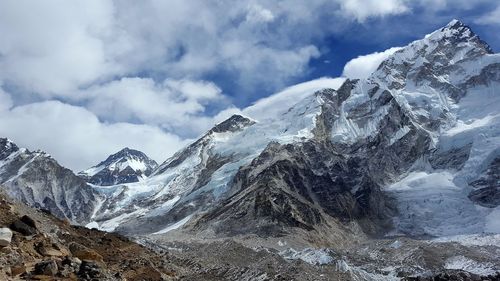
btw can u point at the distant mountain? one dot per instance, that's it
(35, 178)
(125, 166)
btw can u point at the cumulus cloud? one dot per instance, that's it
(492, 17)
(363, 9)
(144, 73)
(5, 100)
(174, 105)
(364, 66)
(257, 13)
(55, 46)
(76, 138)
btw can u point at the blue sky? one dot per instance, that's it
(82, 79)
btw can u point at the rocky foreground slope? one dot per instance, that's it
(34, 245)
(37, 246)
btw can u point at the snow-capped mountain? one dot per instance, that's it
(125, 166)
(412, 131)
(413, 149)
(35, 178)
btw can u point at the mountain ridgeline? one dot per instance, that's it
(365, 156)
(411, 151)
(332, 157)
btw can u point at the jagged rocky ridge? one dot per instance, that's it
(125, 166)
(35, 178)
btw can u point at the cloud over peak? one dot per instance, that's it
(363, 66)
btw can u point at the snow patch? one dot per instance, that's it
(309, 255)
(175, 225)
(399, 134)
(431, 203)
(471, 240)
(463, 263)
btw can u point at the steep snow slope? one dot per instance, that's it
(125, 166)
(452, 91)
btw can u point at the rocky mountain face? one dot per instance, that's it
(411, 151)
(125, 166)
(35, 178)
(367, 153)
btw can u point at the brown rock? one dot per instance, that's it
(90, 270)
(42, 277)
(144, 273)
(66, 222)
(46, 249)
(17, 269)
(84, 253)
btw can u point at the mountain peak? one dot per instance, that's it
(232, 124)
(7, 147)
(454, 23)
(124, 166)
(447, 46)
(458, 32)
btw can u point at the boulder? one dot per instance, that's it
(5, 236)
(69, 267)
(84, 253)
(45, 248)
(23, 228)
(90, 270)
(48, 267)
(17, 269)
(29, 221)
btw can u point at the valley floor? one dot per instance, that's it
(292, 257)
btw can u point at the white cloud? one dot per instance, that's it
(363, 9)
(279, 102)
(364, 66)
(54, 46)
(257, 13)
(174, 105)
(5, 100)
(492, 17)
(76, 138)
